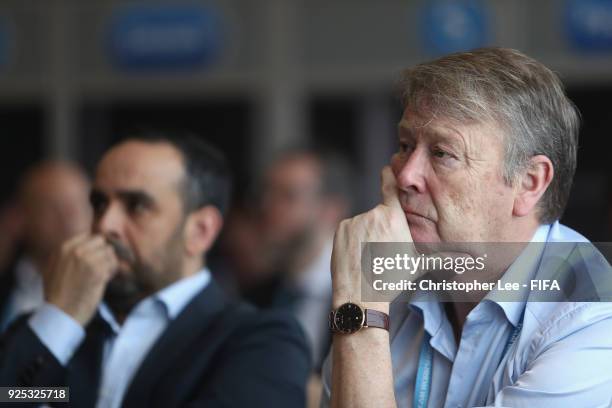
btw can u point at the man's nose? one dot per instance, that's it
(110, 223)
(411, 171)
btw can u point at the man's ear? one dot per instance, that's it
(201, 230)
(531, 185)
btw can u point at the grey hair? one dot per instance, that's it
(517, 93)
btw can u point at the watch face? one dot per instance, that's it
(349, 318)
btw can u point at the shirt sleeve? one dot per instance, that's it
(571, 372)
(60, 333)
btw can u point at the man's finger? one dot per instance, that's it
(68, 245)
(91, 244)
(389, 188)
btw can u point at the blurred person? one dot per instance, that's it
(487, 153)
(304, 195)
(242, 265)
(52, 206)
(287, 243)
(132, 316)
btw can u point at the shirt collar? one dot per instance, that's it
(172, 298)
(176, 296)
(435, 323)
(432, 310)
(521, 270)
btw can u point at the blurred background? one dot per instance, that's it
(254, 76)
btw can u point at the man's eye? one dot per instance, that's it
(99, 207)
(404, 147)
(441, 154)
(135, 206)
(98, 203)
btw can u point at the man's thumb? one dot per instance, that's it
(389, 188)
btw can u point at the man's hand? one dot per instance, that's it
(384, 223)
(362, 374)
(78, 278)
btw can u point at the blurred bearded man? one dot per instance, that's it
(132, 316)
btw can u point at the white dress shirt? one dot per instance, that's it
(129, 344)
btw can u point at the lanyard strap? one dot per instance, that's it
(422, 386)
(423, 378)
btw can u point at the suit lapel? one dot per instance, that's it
(182, 331)
(7, 283)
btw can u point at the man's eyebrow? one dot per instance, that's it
(405, 127)
(138, 196)
(407, 130)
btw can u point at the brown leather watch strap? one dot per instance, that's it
(374, 318)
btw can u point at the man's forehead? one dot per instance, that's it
(413, 125)
(301, 166)
(432, 129)
(136, 164)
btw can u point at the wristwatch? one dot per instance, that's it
(350, 318)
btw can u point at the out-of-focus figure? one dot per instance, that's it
(52, 206)
(132, 315)
(303, 196)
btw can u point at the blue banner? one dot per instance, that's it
(588, 24)
(451, 26)
(164, 37)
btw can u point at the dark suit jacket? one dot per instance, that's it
(7, 283)
(216, 353)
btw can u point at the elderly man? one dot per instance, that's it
(132, 316)
(487, 152)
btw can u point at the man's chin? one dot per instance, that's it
(122, 292)
(422, 235)
(121, 284)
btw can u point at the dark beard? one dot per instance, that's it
(123, 293)
(125, 290)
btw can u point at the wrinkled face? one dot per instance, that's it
(291, 199)
(138, 208)
(56, 207)
(450, 181)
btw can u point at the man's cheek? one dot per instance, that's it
(460, 201)
(449, 217)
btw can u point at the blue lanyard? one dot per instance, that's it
(423, 378)
(422, 385)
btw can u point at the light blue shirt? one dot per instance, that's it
(26, 295)
(562, 357)
(129, 343)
